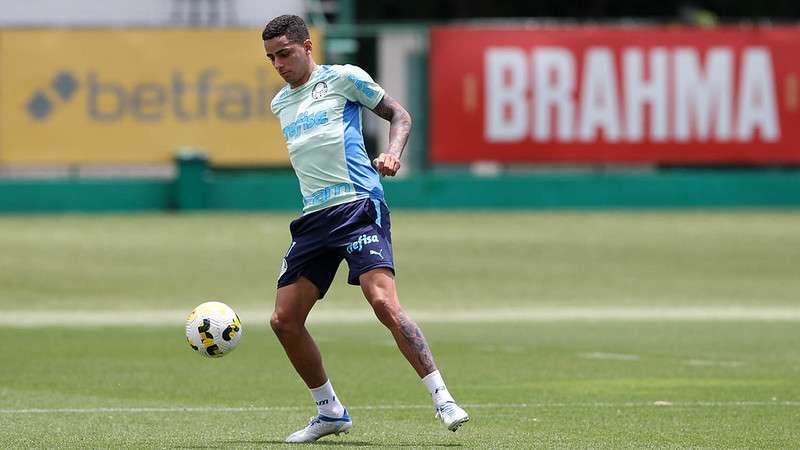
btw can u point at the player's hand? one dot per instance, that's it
(387, 164)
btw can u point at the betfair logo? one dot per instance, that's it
(204, 96)
(60, 90)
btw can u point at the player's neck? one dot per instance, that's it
(311, 68)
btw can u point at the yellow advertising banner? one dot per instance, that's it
(138, 95)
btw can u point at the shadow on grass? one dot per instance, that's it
(222, 444)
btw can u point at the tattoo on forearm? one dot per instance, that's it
(413, 335)
(400, 123)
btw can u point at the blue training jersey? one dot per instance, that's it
(321, 122)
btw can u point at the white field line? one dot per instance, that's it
(704, 362)
(189, 409)
(611, 356)
(155, 317)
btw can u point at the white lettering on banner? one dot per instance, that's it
(689, 95)
(699, 95)
(638, 92)
(599, 109)
(502, 96)
(554, 86)
(757, 97)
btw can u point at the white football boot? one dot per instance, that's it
(320, 426)
(451, 415)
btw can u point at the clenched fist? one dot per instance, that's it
(387, 164)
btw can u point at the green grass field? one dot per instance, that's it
(555, 330)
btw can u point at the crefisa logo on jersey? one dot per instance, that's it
(319, 90)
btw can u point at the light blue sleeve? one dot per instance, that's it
(357, 86)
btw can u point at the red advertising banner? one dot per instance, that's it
(615, 94)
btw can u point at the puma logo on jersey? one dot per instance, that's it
(379, 253)
(362, 86)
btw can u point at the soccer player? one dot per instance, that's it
(344, 217)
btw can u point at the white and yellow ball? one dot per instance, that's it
(213, 329)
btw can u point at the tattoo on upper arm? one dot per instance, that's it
(385, 108)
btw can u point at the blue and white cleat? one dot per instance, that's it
(451, 415)
(320, 426)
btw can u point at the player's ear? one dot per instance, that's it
(307, 45)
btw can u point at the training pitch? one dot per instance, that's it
(568, 330)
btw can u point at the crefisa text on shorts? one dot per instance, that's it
(362, 240)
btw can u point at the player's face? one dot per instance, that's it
(290, 59)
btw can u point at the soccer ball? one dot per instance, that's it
(213, 329)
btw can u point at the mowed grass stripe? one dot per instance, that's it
(223, 409)
(237, 409)
(73, 318)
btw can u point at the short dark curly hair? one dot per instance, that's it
(293, 27)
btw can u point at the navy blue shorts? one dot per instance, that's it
(358, 232)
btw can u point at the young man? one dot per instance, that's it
(344, 217)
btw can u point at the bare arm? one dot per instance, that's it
(388, 162)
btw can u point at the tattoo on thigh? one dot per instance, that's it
(414, 337)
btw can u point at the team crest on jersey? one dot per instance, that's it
(319, 91)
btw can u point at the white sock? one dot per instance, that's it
(435, 384)
(327, 403)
